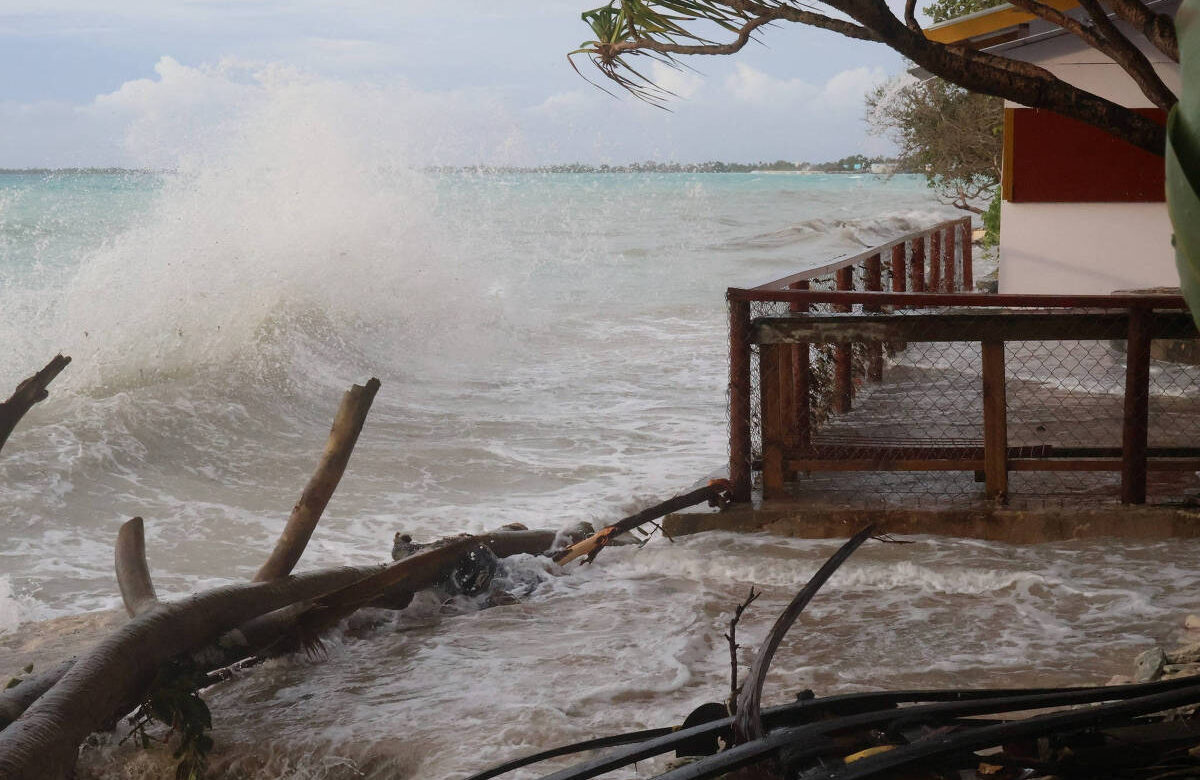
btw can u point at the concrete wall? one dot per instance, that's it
(1086, 247)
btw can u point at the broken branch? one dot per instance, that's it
(28, 393)
(731, 637)
(714, 492)
(300, 525)
(747, 723)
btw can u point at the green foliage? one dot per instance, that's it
(1183, 157)
(945, 10)
(174, 701)
(952, 135)
(991, 223)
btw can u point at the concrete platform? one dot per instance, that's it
(1001, 524)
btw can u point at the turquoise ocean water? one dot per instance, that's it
(552, 349)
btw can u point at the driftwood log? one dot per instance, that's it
(44, 718)
(342, 436)
(28, 393)
(109, 680)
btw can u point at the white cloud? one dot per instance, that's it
(850, 87)
(751, 85)
(679, 82)
(845, 89)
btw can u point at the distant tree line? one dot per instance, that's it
(855, 163)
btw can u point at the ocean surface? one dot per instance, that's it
(551, 349)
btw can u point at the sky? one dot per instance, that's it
(138, 83)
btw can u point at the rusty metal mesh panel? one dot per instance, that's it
(1064, 399)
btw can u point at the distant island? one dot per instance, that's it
(855, 163)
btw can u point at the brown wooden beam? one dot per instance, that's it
(740, 475)
(968, 271)
(949, 265)
(843, 354)
(956, 326)
(917, 266)
(772, 420)
(1135, 426)
(872, 464)
(873, 280)
(800, 376)
(995, 422)
(935, 261)
(990, 301)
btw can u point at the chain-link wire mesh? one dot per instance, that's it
(918, 432)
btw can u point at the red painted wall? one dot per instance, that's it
(1052, 159)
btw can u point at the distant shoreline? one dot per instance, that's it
(837, 167)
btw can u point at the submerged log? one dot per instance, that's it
(715, 493)
(342, 436)
(28, 393)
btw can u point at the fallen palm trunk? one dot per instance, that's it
(110, 679)
(296, 625)
(747, 723)
(715, 493)
(28, 393)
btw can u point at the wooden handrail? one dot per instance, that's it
(933, 299)
(825, 270)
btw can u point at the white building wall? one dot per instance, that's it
(1085, 248)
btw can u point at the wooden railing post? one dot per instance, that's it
(968, 273)
(843, 353)
(1135, 430)
(949, 266)
(739, 399)
(800, 379)
(771, 412)
(935, 261)
(899, 279)
(917, 265)
(899, 269)
(995, 422)
(873, 281)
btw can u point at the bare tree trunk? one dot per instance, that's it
(27, 394)
(342, 436)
